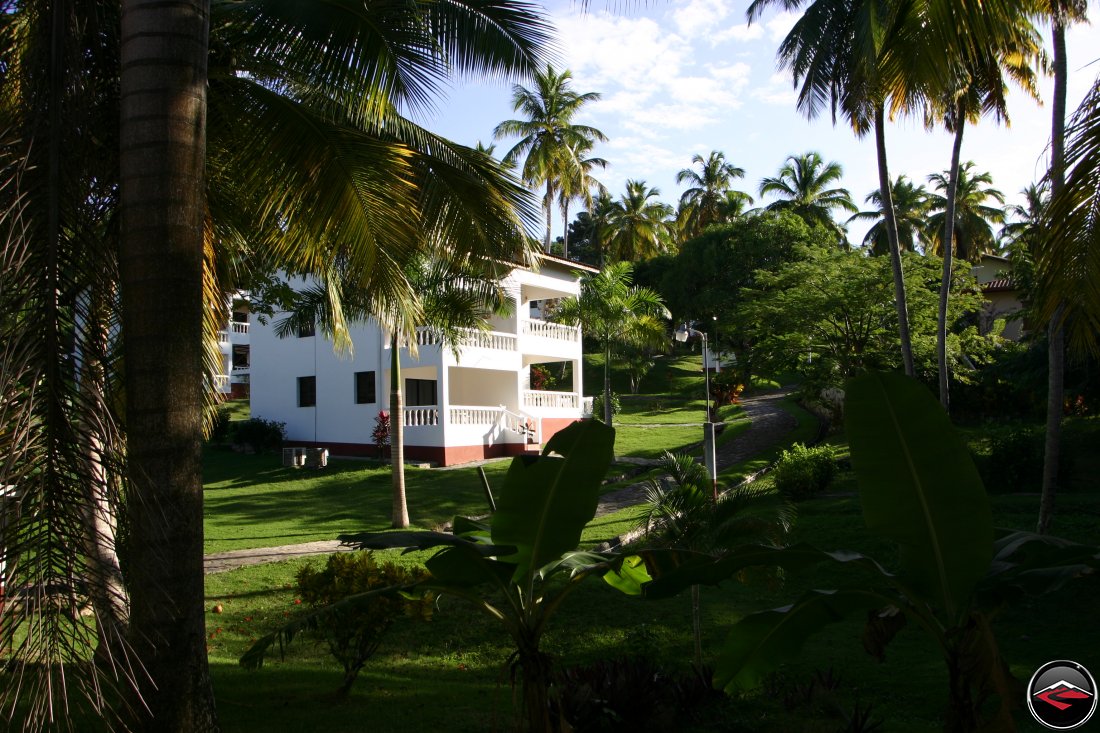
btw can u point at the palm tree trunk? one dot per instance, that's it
(948, 252)
(1056, 348)
(892, 238)
(162, 168)
(565, 229)
(548, 204)
(697, 628)
(607, 383)
(397, 437)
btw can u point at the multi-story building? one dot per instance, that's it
(461, 404)
(234, 346)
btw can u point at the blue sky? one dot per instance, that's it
(682, 77)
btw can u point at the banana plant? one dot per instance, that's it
(918, 488)
(522, 564)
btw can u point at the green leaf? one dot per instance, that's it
(417, 540)
(759, 643)
(673, 571)
(629, 577)
(919, 488)
(546, 501)
(464, 566)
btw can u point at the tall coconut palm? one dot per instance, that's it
(910, 211)
(616, 314)
(805, 186)
(291, 92)
(702, 202)
(980, 88)
(577, 183)
(974, 213)
(846, 54)
(548, 135)
(639, 224)
(1061, 14)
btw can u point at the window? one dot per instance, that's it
(420, 392)
(306, 330)
(364, 388)
(307, 391)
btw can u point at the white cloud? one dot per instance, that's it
(742, 33)
(779, 26)
(778, 91)
(697, 16)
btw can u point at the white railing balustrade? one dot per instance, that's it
(240, 327)
(556, 400)
(546, 329)
(529, 427)
(427, 336)
(421, 416)
(474, 415)
(587, 406)
(221, 382)
(489, 340)
(223, 337)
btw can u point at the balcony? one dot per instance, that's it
(542, 400)
(548, 330)
(471, 338)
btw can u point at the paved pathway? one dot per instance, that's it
(769, 423)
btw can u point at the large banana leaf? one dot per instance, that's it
(759, 643)
(546, 501)
(919, 488)
(668, 572)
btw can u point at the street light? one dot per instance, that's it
(682, 334)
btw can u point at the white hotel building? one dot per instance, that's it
(458, 408)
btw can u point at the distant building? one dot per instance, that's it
(994, 276)
(234, 346)
(478, 404)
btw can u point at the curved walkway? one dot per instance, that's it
(768, 424)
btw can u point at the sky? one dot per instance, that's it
(684, 77)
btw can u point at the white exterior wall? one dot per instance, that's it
(489, 372)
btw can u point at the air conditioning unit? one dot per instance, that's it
(294, 457)
(316, 457)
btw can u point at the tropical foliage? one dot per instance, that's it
(708, 198)
(910, 216)
(807, 186)
(638, 224)
(975, 217)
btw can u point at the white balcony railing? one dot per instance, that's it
(421, 416)
(469, 415)
(221, 382)
(556, 400)
(545, 329)
(239, 326)
(471, 338)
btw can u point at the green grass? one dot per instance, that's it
(237, 409)
(252, 501)
(449, 674)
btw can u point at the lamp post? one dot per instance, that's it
(682, 334)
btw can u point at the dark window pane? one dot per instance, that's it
(420, 392)
(307, 391)
(364, 388)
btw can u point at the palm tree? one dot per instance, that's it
(1061, 13)
(680, 511)
(847, 54)
(910, 211)
(639, 224)
(702, 203)
(803, 186)
(577, 183)
(289, 92)
(615, 313)
(974, 217)
(1068, 271)
(548, 136)
(161, 252)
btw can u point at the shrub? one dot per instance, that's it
(381, 433)
(597, 405)
(219, 426)
(353, 632)
(802, 472)
(1016, 461)
(726, 387)
(541, 378)
(263, 436)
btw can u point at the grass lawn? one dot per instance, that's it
(449, 674)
